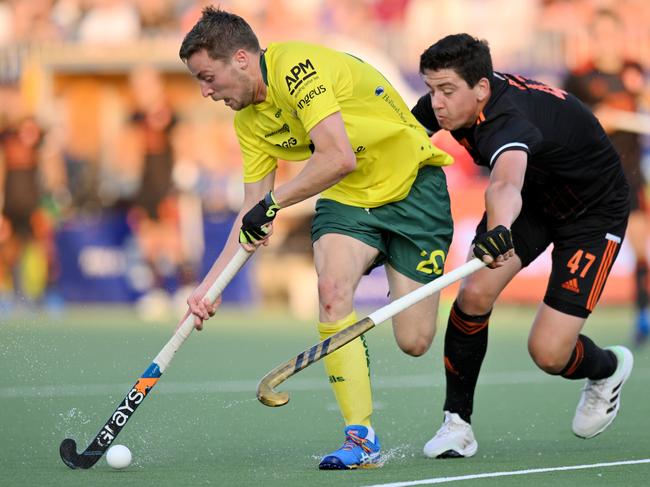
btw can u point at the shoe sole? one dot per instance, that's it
(630, 357)
(339, 466)
(468, 452)
(450, 454)
(588, 437)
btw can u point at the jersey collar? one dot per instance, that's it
(265, 74)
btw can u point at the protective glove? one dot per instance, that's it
(494, 243)
(253, 227)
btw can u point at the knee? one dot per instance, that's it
(417, 346)
(475, 298)
(332, 292)
(549, 361)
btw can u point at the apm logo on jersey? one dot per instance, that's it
(299, 73)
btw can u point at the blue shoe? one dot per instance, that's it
(357, 451)
(642, 329)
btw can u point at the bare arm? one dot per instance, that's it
(503, 194)
(503, 205)
(200, 308)
(332, 160)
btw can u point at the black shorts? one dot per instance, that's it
(584, 250)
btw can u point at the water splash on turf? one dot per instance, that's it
(229, 404)
(73, 417)
(70, 423)
(397, 454)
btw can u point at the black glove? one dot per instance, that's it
(253, 225)
(494, 243)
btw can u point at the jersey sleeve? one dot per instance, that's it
(305, 82)
(505, 133)
(423, 112)
(256, 163)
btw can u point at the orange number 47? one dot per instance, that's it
(576, 261)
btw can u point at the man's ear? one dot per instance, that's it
(482, 89)
(241, 58)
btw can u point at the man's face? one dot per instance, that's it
(223, 80)
(454, 103)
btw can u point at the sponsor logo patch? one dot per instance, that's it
(281, 130)
(290, 142)
(298, 74)
(571, 285)
(306, 100)
(386, 97)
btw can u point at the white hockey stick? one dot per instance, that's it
(141, 389)
(265, 389)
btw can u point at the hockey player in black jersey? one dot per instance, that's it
(555, 178)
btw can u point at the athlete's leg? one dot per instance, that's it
(557, 347)
(467, 333)
(465, 347)
(583, 255)
(340, 262)
(420, 229)
(415, 327)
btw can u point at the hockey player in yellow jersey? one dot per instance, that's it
(383, 195)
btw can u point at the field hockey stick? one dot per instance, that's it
(265, 389)
(145, 383)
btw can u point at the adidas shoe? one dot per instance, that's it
(358, 451)
(601, 399)
(454, 439)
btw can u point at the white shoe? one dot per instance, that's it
(454, 439)
(601, 399)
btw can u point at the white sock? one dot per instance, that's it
(371, 434)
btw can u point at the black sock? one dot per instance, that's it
(641, 280)
(589, 360)
(465, 346)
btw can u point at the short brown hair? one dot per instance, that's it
(220, 33)
(468, 56)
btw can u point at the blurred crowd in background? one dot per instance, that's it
(118, 181)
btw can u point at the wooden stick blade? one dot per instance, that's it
(265, 389)
(267, 396)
